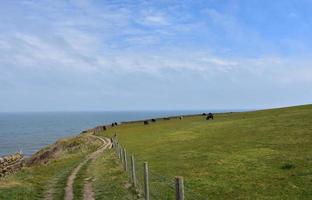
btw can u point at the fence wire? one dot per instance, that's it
(160, 187)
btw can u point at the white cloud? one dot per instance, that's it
(81, 52)
(99, 42)
(155, 19)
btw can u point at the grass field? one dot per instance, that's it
(34, 181)
(249, 155)
(109, 179)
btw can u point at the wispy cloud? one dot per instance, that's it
(58, 42)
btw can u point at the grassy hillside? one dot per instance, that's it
(263, 154)
(251, 155)
(49, 169)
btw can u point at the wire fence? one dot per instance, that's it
(150, 185)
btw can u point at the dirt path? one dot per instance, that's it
(69, 190)
(88, 192)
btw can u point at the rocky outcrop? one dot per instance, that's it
(11, 163)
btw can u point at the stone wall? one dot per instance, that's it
(11, 163)
(97, 129)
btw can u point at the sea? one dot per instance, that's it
(28, 132)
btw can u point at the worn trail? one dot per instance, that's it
(88, 193)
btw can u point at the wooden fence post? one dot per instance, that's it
(125, 159)
(179, 185)
(134, 180)
(118, 151)
(116, 145)
(146, 182)
(121, 154)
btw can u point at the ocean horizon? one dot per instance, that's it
(28, 132)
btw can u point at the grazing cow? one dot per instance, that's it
(209, 116)
(113, 124)
(181, 117)
(104, 128)
(203, 114)
(153, 120)
(116, 124)
(146, 122)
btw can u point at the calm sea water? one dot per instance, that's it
(29, 132)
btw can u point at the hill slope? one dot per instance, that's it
(262, 154)
(47, 173)
(250, 155)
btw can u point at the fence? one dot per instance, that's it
(151, 185)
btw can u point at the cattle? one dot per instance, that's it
(153, 120)
(104, 128)
(146, 122)
(204, 114)
(181, 117)
(115, 123)
(209, 116)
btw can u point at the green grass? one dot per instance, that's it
(251, 155)
(110, 181)
(61, 179)
(79, 182)
(32, 182)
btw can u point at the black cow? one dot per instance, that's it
(113, 124)
(104, 128)
(209, 116)
(204, 114)
(153, 120)
(116, 124)
(146, 122)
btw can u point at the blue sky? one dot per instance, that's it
(154, 55)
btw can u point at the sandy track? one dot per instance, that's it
(69, 190)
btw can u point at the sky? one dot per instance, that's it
(92, 55)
